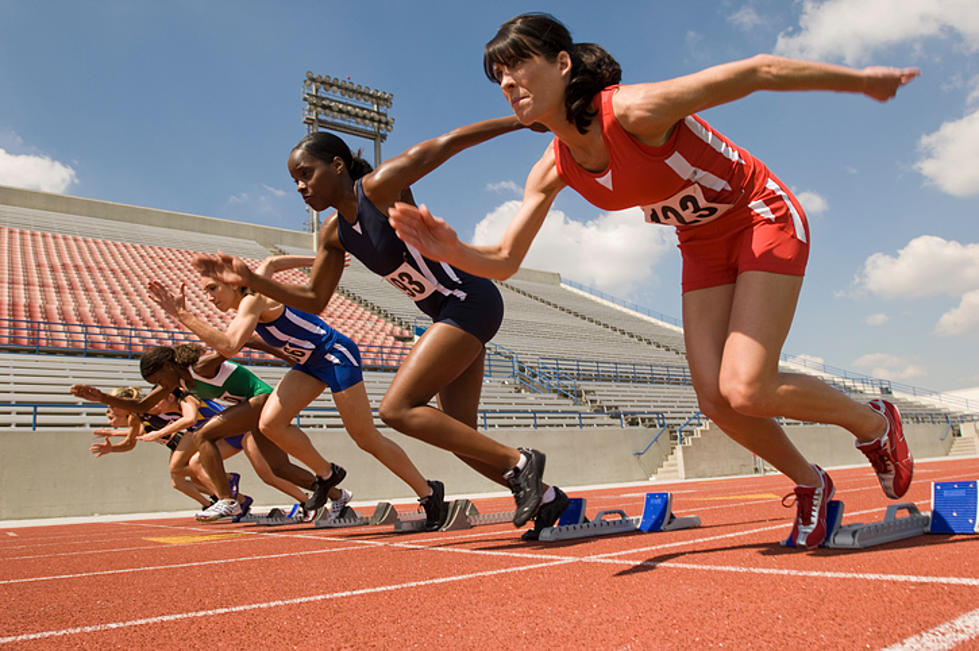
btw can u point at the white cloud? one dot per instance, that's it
(615, 252)
(951, 157)
(878, 319)
(274, 191)
(853, 30)
(35, 172)
(746, 18)
(812, 203)
(505, 186)
(963, 319)
(885, 366)
(927, 266)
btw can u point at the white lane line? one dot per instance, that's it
(961, 629)
(271, 604)
(944, 636)
(353, 545)
(154, 568)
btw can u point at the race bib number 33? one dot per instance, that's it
(685, 208)
(411, 282)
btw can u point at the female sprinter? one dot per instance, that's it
(743, 236)
(164, 423)
(323, 358)
(447, 361)
(211, 376)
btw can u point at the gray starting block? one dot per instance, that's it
(384, 513)
(892, 528)
(657, 515)
(859, 535)
(276, 518)
(463, 514)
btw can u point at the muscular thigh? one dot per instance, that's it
(440, 356)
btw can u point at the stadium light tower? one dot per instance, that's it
(361, 114)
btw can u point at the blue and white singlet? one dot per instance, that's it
(314, 347)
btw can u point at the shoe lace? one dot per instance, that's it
(879, 459)
(804, 501)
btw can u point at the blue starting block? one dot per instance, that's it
(657, 515)
(954, 507)
(575, 513)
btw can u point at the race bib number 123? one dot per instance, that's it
(685, 208)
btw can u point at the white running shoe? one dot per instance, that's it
(220, 509)
(338, 505)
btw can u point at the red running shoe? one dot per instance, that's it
(889, 454)
(809, 528)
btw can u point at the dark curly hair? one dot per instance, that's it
(153, 359)
(592, 68)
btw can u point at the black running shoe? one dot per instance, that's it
(547, 515)
(436, 510)
(526, 487)
(321, 487)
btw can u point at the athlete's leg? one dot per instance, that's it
(440, 357)
(233, 420)
(183, 478)
(293, 393)
(250, 446)
(196, 471)
(706, 315)
(460, 399)
(763, 307)
(355, 411)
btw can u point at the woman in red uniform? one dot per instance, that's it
(743, 236)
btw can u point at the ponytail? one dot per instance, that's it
(326, 146)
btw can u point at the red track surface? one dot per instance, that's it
(727, 583)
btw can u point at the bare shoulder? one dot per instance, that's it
(329, 235)
(644, 110)
(544, 176)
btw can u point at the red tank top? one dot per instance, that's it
(693, 178)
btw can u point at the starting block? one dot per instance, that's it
(463, 514)
(384, 513)
(277, 517)
(657, 515)
(954, 507)
(859, 535)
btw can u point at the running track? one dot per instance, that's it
(176, 583)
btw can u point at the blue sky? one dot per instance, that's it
(193, 107)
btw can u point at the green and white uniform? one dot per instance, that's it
(233, 383)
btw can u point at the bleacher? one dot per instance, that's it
(71, 282)
(34, 393)
(92, 292)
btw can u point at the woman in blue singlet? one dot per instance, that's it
(322, 358)
(447, 360)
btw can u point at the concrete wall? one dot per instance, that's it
(716, 455)
(51, 474)
(61, 203)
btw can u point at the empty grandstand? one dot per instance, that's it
(74, 308)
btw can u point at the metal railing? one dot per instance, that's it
(598, 370)
(635, 307)
(697, 416)
(33, 336)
